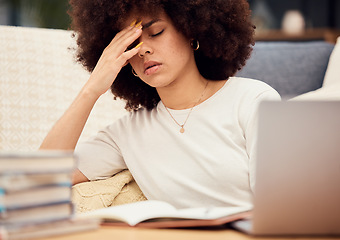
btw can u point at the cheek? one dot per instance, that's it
(181, 51)
(180, 46)
(133, 61)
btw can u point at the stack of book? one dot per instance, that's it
(35, 195)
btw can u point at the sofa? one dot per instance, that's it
(39, 78)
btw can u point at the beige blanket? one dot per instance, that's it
(119, 189)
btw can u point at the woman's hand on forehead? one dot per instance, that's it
(114, 57)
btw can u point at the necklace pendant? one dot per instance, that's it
(181, 130)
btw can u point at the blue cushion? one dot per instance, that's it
(292, 68)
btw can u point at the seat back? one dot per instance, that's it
(39, 78)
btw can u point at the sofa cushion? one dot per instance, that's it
(39, 79)
(292, 68)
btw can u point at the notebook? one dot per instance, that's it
(297, 189)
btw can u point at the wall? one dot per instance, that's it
(35, 13)
(318, 13)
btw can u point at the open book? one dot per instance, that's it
(158, 214)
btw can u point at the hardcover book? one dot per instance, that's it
(22, 181)
(48, 229)
(37, 196)
(38, 214)
(35, 162)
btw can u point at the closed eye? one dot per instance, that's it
(159, 33)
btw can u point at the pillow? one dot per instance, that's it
(116, 190)
(291, 68)
(327, 94)
(332, 76)
(330, 89)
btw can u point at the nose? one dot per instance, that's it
(141, 55)
(145, 49)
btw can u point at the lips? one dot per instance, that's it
(151, 67)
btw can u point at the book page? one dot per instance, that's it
(209, 213)
(135, 213)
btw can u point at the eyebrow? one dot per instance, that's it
(148, 24)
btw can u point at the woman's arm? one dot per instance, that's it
(78, 177)
(66, 132)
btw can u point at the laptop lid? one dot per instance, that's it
(298, 169)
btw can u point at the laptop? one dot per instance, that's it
(297, 190)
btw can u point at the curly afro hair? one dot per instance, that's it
(222, 27)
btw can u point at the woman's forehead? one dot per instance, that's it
(147, 19)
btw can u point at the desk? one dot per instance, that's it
(118, 233)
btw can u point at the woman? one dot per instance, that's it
(190, 137)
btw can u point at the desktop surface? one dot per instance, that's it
(129, 233)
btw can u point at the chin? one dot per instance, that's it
(157, 82)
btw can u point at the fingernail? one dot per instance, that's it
(139, 44)
(133, 23)
(138, 24)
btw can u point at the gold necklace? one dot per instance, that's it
(182, 125)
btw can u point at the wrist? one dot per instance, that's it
(89, 94)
